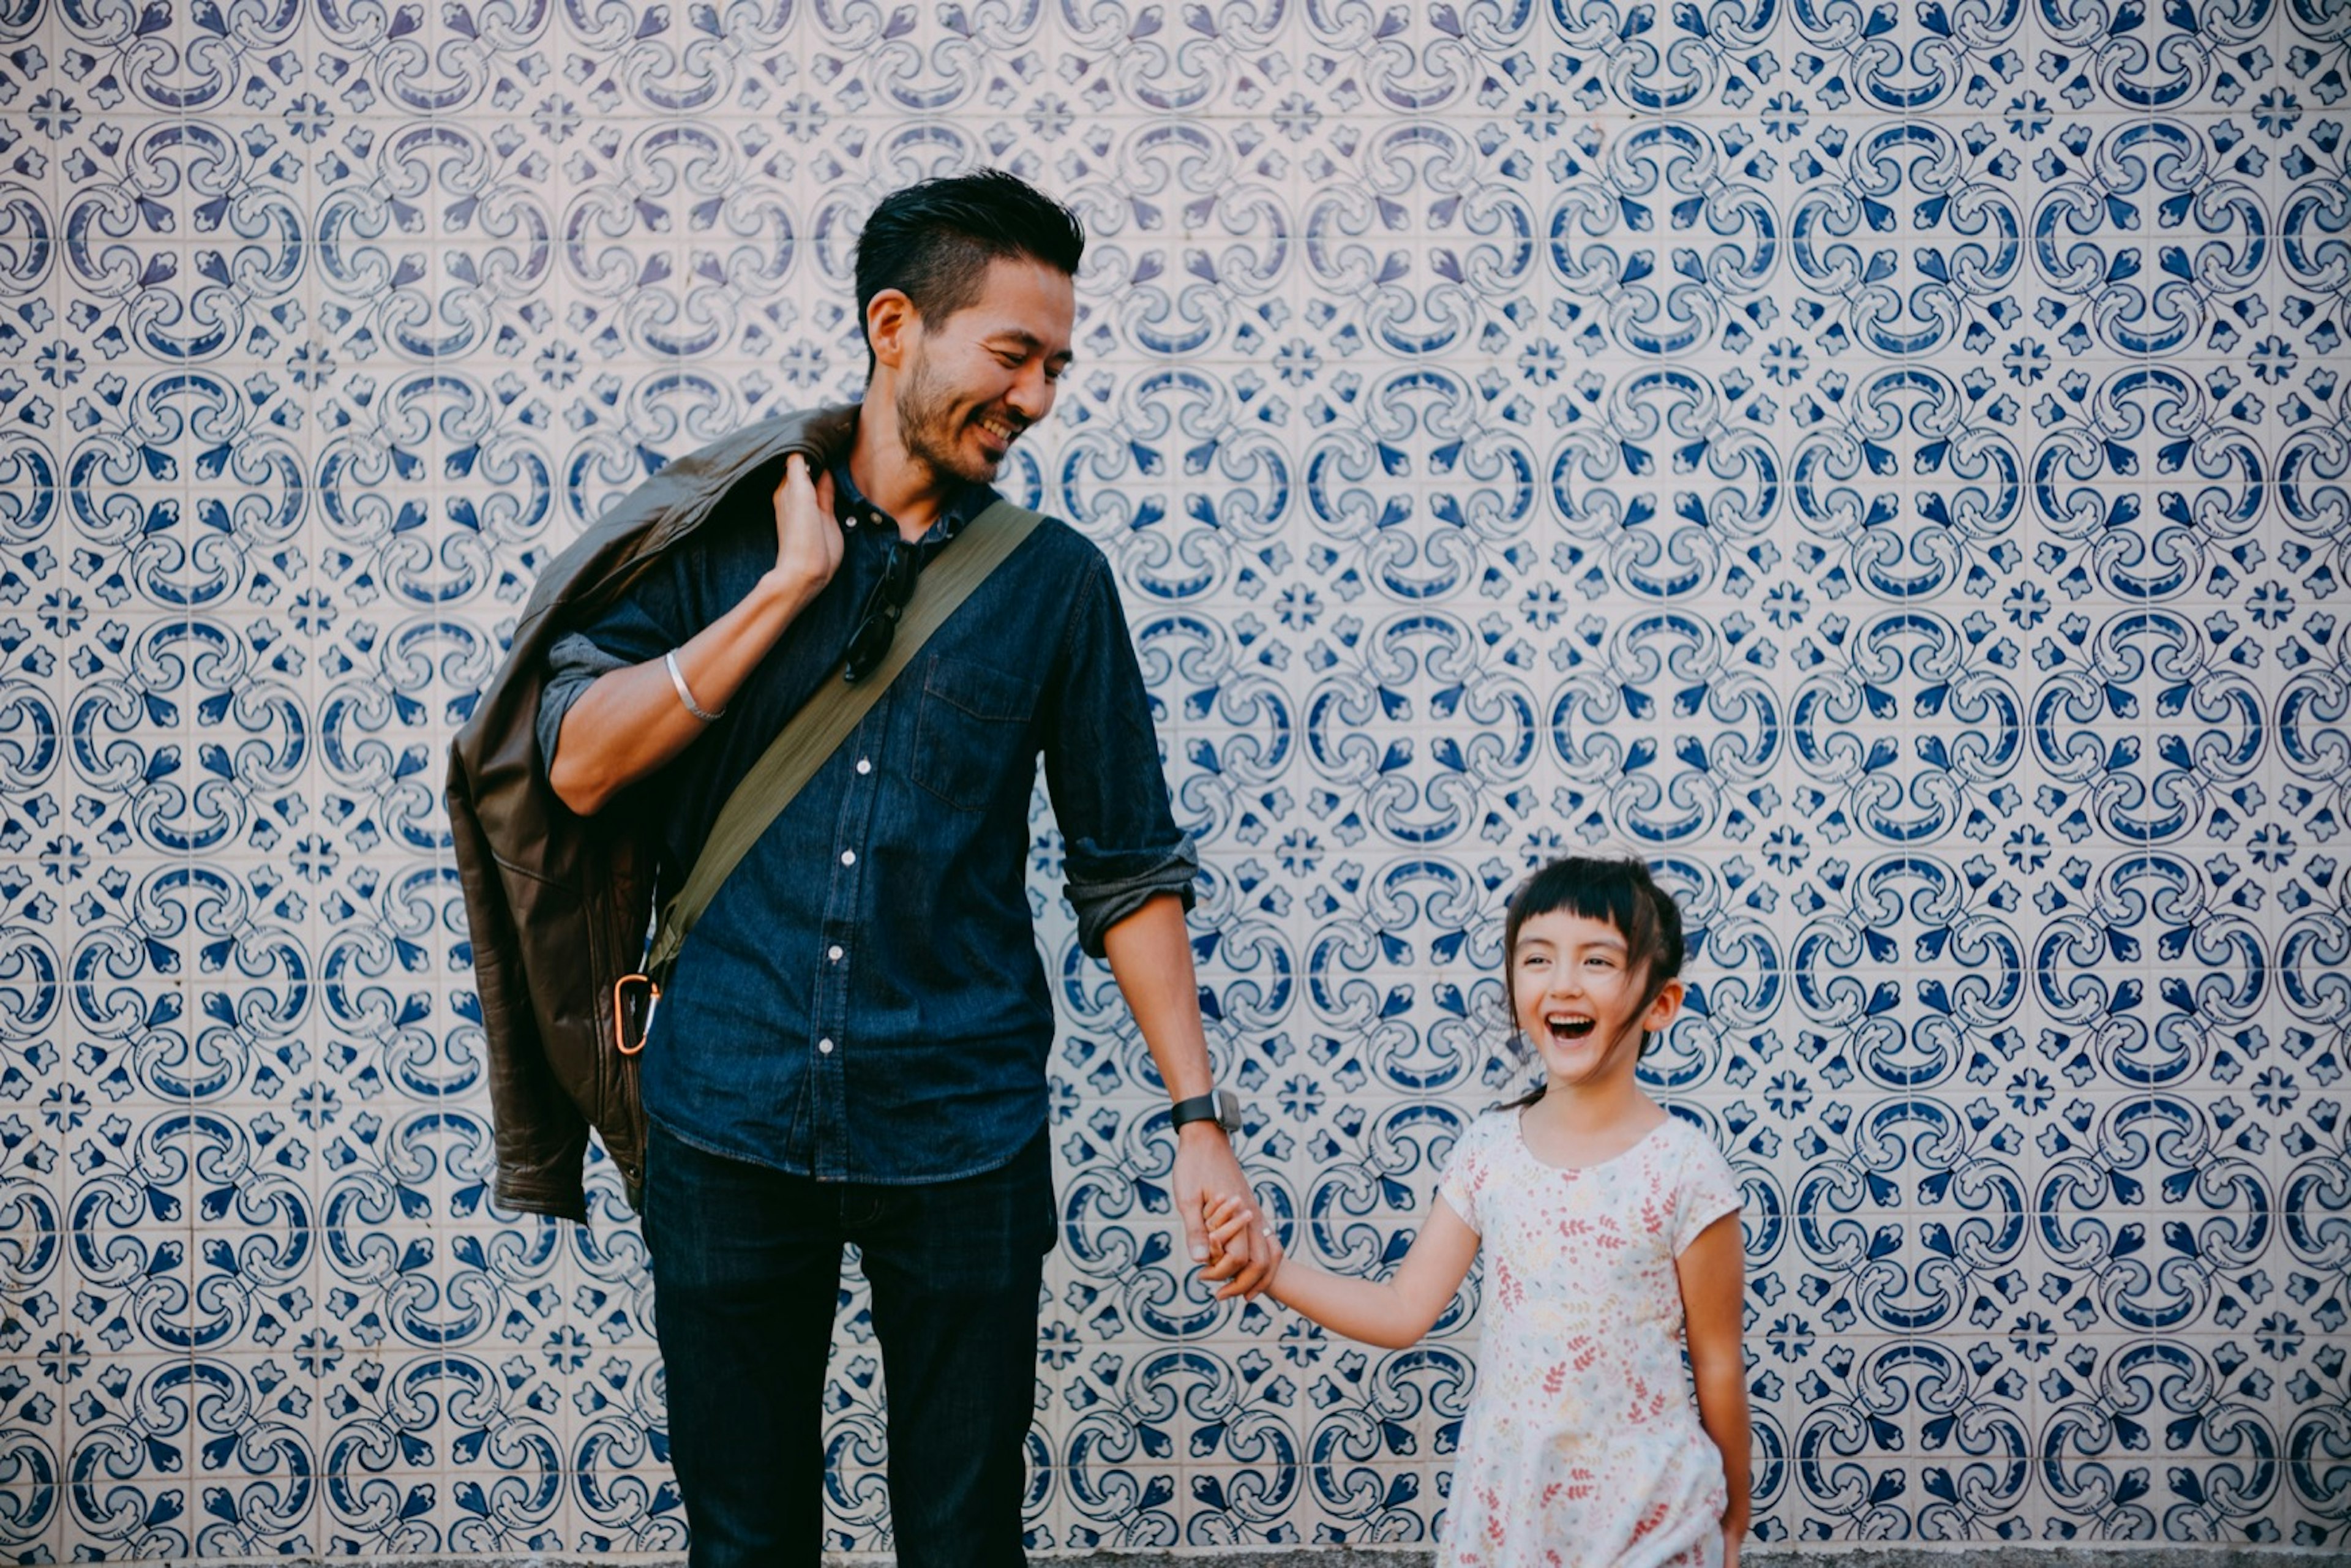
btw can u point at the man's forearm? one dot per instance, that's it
(1149, 955)
(631, 722)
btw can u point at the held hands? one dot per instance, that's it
(1205, 1172)
(1229, 1223)
(808, 538)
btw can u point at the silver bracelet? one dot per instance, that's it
(677, 679)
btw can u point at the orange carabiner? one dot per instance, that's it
(634, 998)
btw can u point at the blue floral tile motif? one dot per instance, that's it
(1889, 464)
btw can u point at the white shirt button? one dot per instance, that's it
(865, 765)
(834, 953)
(824, 1046)
(849, 857)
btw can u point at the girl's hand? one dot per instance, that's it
(1226, 1218)
(1227, 1221)
(1730, 1547)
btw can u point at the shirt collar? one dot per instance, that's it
(966, 502)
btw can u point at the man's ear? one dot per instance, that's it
(891, 324)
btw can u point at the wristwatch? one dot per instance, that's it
(1222, 1107)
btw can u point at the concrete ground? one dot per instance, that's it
(1976, 1553)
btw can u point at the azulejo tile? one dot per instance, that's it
(129, 1421)
(1885, 468)
(253, 1477)
(34, 1423)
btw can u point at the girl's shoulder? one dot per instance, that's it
(1693, 1165)
(1494, 1120)
(1686, 1141)
(1483, 1142)
(1486, 1132)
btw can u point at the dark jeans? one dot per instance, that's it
(747, 1268)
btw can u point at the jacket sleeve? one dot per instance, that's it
(541, 1135)
(1120, 845)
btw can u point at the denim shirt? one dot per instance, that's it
(863, 1000)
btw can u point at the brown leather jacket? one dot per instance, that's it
(558, 904)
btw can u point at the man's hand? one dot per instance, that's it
(1207, 1172)
(808, 538)
(630, 722)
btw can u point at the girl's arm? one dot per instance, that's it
(1392, 1312)
(1712, 1269)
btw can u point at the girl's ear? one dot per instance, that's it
(1661, 1007)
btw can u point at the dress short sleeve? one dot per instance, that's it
(1708, 1190)
(1469, 1167)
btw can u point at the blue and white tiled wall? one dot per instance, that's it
(1888, 462)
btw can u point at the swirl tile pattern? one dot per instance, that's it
(1887, 460)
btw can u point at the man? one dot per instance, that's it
(852, 1044)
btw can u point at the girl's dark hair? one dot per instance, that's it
(933, 241)
(1620, 891)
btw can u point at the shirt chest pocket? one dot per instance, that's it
(974, 733)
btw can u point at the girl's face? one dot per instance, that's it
(1580, 998)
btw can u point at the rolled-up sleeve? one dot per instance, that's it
(573, 665)
(1121, 846)
(660, 610)
(1106, 898)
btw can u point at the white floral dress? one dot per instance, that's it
(1583, 1446)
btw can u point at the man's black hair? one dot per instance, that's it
(933, 241)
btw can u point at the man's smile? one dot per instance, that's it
(998, 432)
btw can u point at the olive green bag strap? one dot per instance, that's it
(814, 733)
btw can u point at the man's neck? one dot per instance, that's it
(908, 491)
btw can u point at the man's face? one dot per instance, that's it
(973, 381)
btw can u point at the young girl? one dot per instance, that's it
(1612, 1231)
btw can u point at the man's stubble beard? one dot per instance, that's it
(928, 429)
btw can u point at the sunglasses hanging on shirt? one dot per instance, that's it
(883, 606)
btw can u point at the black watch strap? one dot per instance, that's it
(1223, 1107)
